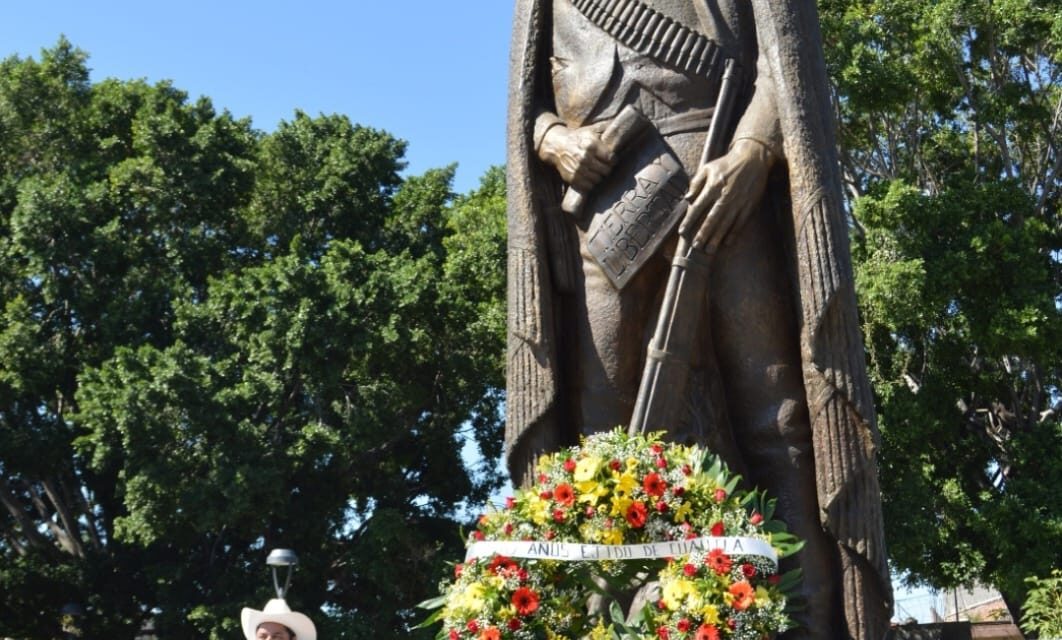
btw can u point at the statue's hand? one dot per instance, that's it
(580, 156)
(724, 193)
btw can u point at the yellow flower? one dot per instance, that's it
(682, 512)
(586, 468)
(599, 632)
(631, 464)
(625, 484)
(472, 598)
(620, 505)
(676, 592)
(710, 614)
(539, 509)
(590, 491)
(611, 536)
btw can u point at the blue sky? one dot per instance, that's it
(431, 73)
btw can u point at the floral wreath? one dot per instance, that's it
(618, 513)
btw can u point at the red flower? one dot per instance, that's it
(683, 625)
(720, 495)
(501, 564)
(569, 465)
(689, 569)
(756, 519)
(454, 635)
(478, 535)
(615, 465)
(510, 502)
(490, 633)
(657, 448)
(458, 570)
(542, 478)
(748, 570)
(662, 633)
(546, 495)
(654, 485)
(508, 528)
(564, 494)
(686, 469)
(558, 515)
(718, 561)
(525, 600)
(661, 462)
(678, 491)
(661, 506)
(636, 514)
(660, 604)
(707, 632)
(473, 626)
(743, 594)
(514, 624)
(717, 529)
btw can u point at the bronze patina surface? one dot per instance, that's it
(772, 368)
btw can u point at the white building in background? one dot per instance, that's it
(979, 604)
(983, 608)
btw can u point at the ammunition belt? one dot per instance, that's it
(651, 33)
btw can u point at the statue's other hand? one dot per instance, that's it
(580, 156)
(725, 192)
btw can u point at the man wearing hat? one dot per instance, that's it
(276, 622)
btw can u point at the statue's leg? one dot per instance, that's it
(604, 352)
(609, 328)
(757, 344)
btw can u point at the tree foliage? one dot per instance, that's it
(951, 115)
(214, 342)
(1042, 611)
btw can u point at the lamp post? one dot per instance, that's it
(70, 617)
(282, 558)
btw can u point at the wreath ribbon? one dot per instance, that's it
(577, 552)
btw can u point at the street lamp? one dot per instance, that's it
(282, 558)
(70, 615)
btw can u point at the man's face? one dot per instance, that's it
(272, 631)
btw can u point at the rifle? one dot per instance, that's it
(662, 391)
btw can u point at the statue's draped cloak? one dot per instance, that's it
(839, 396)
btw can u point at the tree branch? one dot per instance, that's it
(73, 531)
(61, 535)
(84, 508)
(26, 526)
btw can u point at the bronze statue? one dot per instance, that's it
(679, 155)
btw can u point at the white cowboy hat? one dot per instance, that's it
(276, 610)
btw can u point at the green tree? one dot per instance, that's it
(215, 341)
(951, 114)
(1043, 607)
